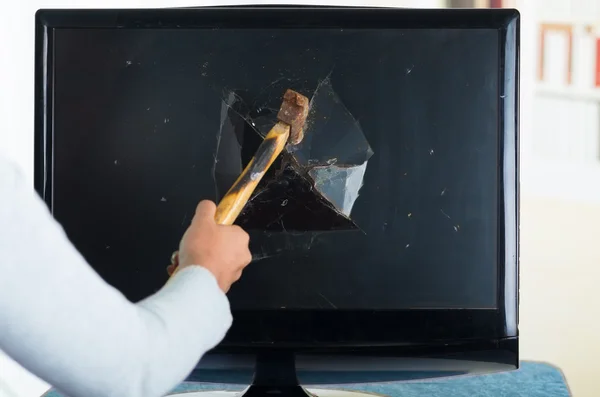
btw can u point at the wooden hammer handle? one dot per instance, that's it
(238, 195)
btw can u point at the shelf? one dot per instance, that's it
(570, 92)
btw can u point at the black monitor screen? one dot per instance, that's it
(390, 203)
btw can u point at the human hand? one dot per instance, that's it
(223, 250)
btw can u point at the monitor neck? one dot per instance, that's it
(275, 375)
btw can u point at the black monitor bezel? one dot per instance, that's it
(328, 328)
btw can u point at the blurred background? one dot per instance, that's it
(560, 167)
(560, 185)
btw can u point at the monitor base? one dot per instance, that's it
(274, 376)
(306, 392)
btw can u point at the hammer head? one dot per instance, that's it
(294, 111)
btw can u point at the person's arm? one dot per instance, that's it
(62, 322)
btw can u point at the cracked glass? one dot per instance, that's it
(312, 185)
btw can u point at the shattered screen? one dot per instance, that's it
(314, 184)
(389, 202)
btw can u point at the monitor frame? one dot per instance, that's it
(367, 331)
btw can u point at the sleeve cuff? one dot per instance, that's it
(192, 301)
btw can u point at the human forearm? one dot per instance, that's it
(62, 322)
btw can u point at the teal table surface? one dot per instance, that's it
(531, 380)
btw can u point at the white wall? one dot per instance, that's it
(16, 104)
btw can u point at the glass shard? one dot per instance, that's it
(339, 185)
(333, 136)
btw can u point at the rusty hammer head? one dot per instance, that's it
(294, 111)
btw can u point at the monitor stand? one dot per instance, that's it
(275, 375)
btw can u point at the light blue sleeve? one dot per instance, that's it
(60, 320)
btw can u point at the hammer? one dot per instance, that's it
(290, 128)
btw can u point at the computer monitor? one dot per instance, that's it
(391, 254)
